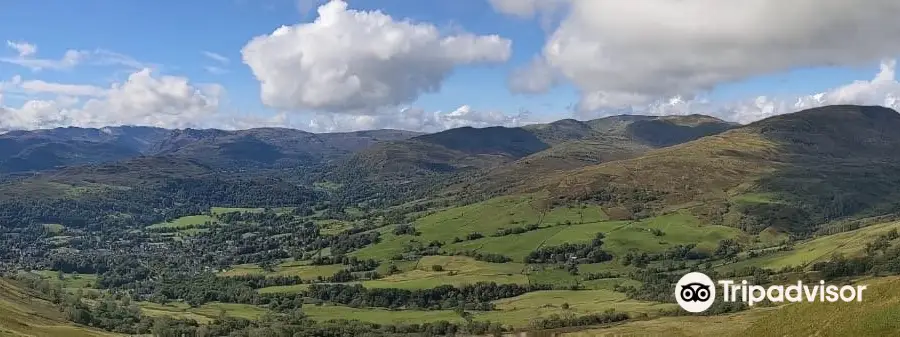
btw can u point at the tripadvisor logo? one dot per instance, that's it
(696, 292)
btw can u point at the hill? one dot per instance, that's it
(499, 157)
(875, 317)
(23, 313)
(46, 149)
(269, 147)
(41, 150)
(810, 167)
(580, 144)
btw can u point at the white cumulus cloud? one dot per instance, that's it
(350, 61)
(883, 89)
(144, 99)
(622, 53)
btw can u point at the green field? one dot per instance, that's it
(465, 269)
(332, 226)
(292, 289)
(53, 228)
(486, 218)
(878, 315)
(678, 228)
(380, 316)
(560, 225)
(516, 312)
(223, 210)
(684, 326)
(186, 221)
(69, 281)
(205, 313)
(520, 311)
(804, 254)
(290, 268)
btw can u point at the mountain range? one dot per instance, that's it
(39, 150)
(807, 166)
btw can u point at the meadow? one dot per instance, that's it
(186, 221)
(851, 243)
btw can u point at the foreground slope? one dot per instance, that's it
(877, 315)
(24, 314)
(808, 167)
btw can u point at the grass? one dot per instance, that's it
(486, 218)
(54, 228)
(290, 268)
(223, 210)
(756, 198)
(806, 253)
(69, 281)
(331, 227)
(878, 315)
(205, 313)
(186, 221)
(517, 312)
(678, 228)
(465, 269)
(292, 289)
(23, 314)
(685, 326)
(621, 236)
(380, 316)
(520, 311)
(610, 283)
(552, 275)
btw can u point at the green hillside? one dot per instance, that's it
(22, 314)
(876, 316)
(805, 160)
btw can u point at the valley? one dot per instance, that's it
(579, 227)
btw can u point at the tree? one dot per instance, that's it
(267, 266)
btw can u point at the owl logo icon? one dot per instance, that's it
(695, 292)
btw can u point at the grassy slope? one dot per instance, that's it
(289, 268)
(503, 212)
(688, 326)
(485, 218)
(516, 312)
(826, 162)
(191, 220)
(466, 270)
(820, 249)
(877, 315)
(22, 314)
(205, 313)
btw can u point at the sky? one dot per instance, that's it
(331, 65)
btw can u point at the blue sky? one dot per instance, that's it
(171, 37)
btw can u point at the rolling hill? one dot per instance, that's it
(599, 214)
(516, 152)
(46, 149)
(41, 150)
(812, 166)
